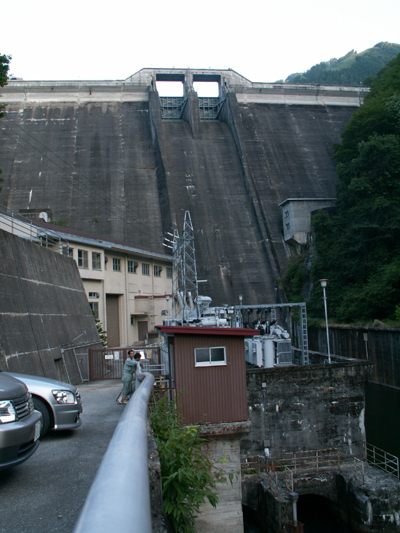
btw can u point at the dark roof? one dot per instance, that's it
(195, 330)
(74, 235)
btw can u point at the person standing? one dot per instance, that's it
(131, 364)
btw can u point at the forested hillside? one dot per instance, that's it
(352, 69)
(357, 247)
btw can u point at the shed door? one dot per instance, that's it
(142, 330)
(112, 320)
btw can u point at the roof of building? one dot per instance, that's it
(306, 200)
(82, 237)
(195, 330)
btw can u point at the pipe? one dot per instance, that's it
(119, 499)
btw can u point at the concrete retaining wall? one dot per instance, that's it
(43, 309)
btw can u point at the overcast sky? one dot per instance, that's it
(264, 40)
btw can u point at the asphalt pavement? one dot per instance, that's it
(46, 492)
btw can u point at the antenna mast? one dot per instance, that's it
(184, 274)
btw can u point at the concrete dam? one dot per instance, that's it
(118, 161)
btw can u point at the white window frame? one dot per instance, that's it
(145, 269)
(94, 306)
(157, 269)
(210, 362)
(132, 266)
(83, 261)
(116, 264)
(96, 260)
(169, 272)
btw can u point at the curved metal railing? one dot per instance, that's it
(119, 499)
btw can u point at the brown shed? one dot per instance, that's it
(207, 365)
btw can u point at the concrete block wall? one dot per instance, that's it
(302, 408)
(223, 443)
(43, 307)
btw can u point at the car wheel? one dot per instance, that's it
(42, 408)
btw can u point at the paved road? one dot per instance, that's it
(46, 493)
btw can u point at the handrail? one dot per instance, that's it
(381, 459)
(119, 499)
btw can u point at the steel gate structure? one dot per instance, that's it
(108, 363)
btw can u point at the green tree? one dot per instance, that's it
(352, 69)
(358, 248)
(189, 476)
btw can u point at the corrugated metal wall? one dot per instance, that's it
(214, 393)
(380, 346)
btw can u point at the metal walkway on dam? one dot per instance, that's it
(101, 155)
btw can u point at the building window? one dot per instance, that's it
(157, 271)
(116, 264)
(94, 306)
(132, 266)
(145, 269)
(67, 251)
(169, 272)
(286, 214)
(82, 259)
(94, 295)
(96, 261)
(210, 356)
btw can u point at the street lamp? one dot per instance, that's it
(323, 285)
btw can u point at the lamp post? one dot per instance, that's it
(167, 299)
(323, 285)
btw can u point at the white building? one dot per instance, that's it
(296, 217)
(128, 288)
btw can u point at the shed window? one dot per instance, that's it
(210, 356)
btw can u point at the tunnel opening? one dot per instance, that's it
(318, 513)
(250, 520)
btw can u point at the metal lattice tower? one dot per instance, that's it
(184, 274)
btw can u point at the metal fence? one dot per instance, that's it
(359, 473)
(108, 363)
(308, 461)
(26, 228)
(380, 459)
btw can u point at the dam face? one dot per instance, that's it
(106, 157)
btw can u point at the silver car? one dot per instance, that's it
(60, 403)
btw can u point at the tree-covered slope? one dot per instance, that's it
(358, 246)
(351, 69)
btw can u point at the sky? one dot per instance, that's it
(264, 40)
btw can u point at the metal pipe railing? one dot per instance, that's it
(119, 499)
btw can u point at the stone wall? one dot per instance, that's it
(301, 408)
